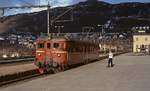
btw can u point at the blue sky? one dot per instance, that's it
(54, 3)
(119, 1)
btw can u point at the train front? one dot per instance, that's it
(40, 55)
(51, 55)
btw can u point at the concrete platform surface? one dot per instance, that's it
(16, 68)
(130, 73)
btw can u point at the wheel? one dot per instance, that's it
(86, 61)
(56, 70)
(66, 67)
(62, 68)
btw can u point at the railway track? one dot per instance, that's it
(18, 60)
(8, 79)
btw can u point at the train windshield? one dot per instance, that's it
(56, 45)
(40, 45)
(48, 45)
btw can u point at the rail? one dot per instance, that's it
(17, 60)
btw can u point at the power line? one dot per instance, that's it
(25, 2)
(31, 6)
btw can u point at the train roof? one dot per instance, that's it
(75, 38)
(67, 40)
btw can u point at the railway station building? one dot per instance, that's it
(141, 43)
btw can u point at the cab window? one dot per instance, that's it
(56, 45)
(48, 45)
(40, 45)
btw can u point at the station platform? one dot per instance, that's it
(130, 73)
(16, 68)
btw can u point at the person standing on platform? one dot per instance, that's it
(110, 59)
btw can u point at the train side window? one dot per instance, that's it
(40, 45)
(48, 45)
(56, 45)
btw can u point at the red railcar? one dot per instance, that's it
(60, 53)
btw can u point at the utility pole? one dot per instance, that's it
(2, 13)
(48, 19)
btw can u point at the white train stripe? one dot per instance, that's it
(40, 51)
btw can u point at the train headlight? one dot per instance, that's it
(39, 54)
(58, 55)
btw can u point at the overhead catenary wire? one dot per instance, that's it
(25, 2)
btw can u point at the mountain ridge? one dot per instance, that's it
(126, 15)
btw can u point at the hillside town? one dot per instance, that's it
(17, 44)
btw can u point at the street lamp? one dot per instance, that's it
(147, 27)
